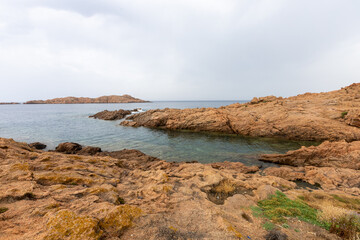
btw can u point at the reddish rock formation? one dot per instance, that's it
(129, 195)
(74, 100)
(112, 115)
(328, 154)
(311, 116)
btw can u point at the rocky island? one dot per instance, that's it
(78, 192)
(82, 100)
(6, 103)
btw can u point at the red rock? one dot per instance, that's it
(111, 115)
(316, 116)
(328, 154)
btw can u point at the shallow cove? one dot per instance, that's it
(56, 123)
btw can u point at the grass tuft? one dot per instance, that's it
(278, 207)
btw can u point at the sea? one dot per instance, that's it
(52, 124)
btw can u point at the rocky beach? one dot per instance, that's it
(83, 192)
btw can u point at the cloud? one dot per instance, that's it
(173, 50)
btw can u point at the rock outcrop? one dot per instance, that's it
(339, 154)
(310, 116)
(129, 195)
(37, 145)
(112, 115)
(103, 99)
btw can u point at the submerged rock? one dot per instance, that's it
(310, 116)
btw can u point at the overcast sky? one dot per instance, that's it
(178, 49)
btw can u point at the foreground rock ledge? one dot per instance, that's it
(311, 116)
(129, 195)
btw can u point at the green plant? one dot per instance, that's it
(285, 225)
(278, 207)
(268, 226)
(343, 114)
(296, 230)
(3, 209)
(346, 226)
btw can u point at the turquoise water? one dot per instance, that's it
(53, 124)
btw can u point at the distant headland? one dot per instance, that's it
(83, 100)
(4, 103)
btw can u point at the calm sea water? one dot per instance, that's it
(53, 124)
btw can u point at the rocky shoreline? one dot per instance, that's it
(79, 192)
(84, 100)
(82, 192)
(311, 116)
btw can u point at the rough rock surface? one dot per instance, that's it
(103, 99)
(37, 145)
(328, 154)
(129, 195)
(310, 116)
(6, 103)
(68, 147)
(112, 115)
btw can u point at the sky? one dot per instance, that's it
(178, 49)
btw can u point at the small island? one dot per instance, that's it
(83, 100)
(8, 103)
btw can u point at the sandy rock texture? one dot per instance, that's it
(103, 99)
(311, 116)
(112, 115)
(129, 195)
(339, 154)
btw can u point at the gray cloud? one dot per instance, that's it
(173, 50)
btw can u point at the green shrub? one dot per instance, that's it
(343, 114)
(3, 209)
(346, 226)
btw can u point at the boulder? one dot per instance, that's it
(37, 145)
(68, 148)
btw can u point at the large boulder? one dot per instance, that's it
(68, 148)
(37, 145)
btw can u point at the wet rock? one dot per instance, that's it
(88, 150)
(37, 145)
(111, 115)
(68, 148)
